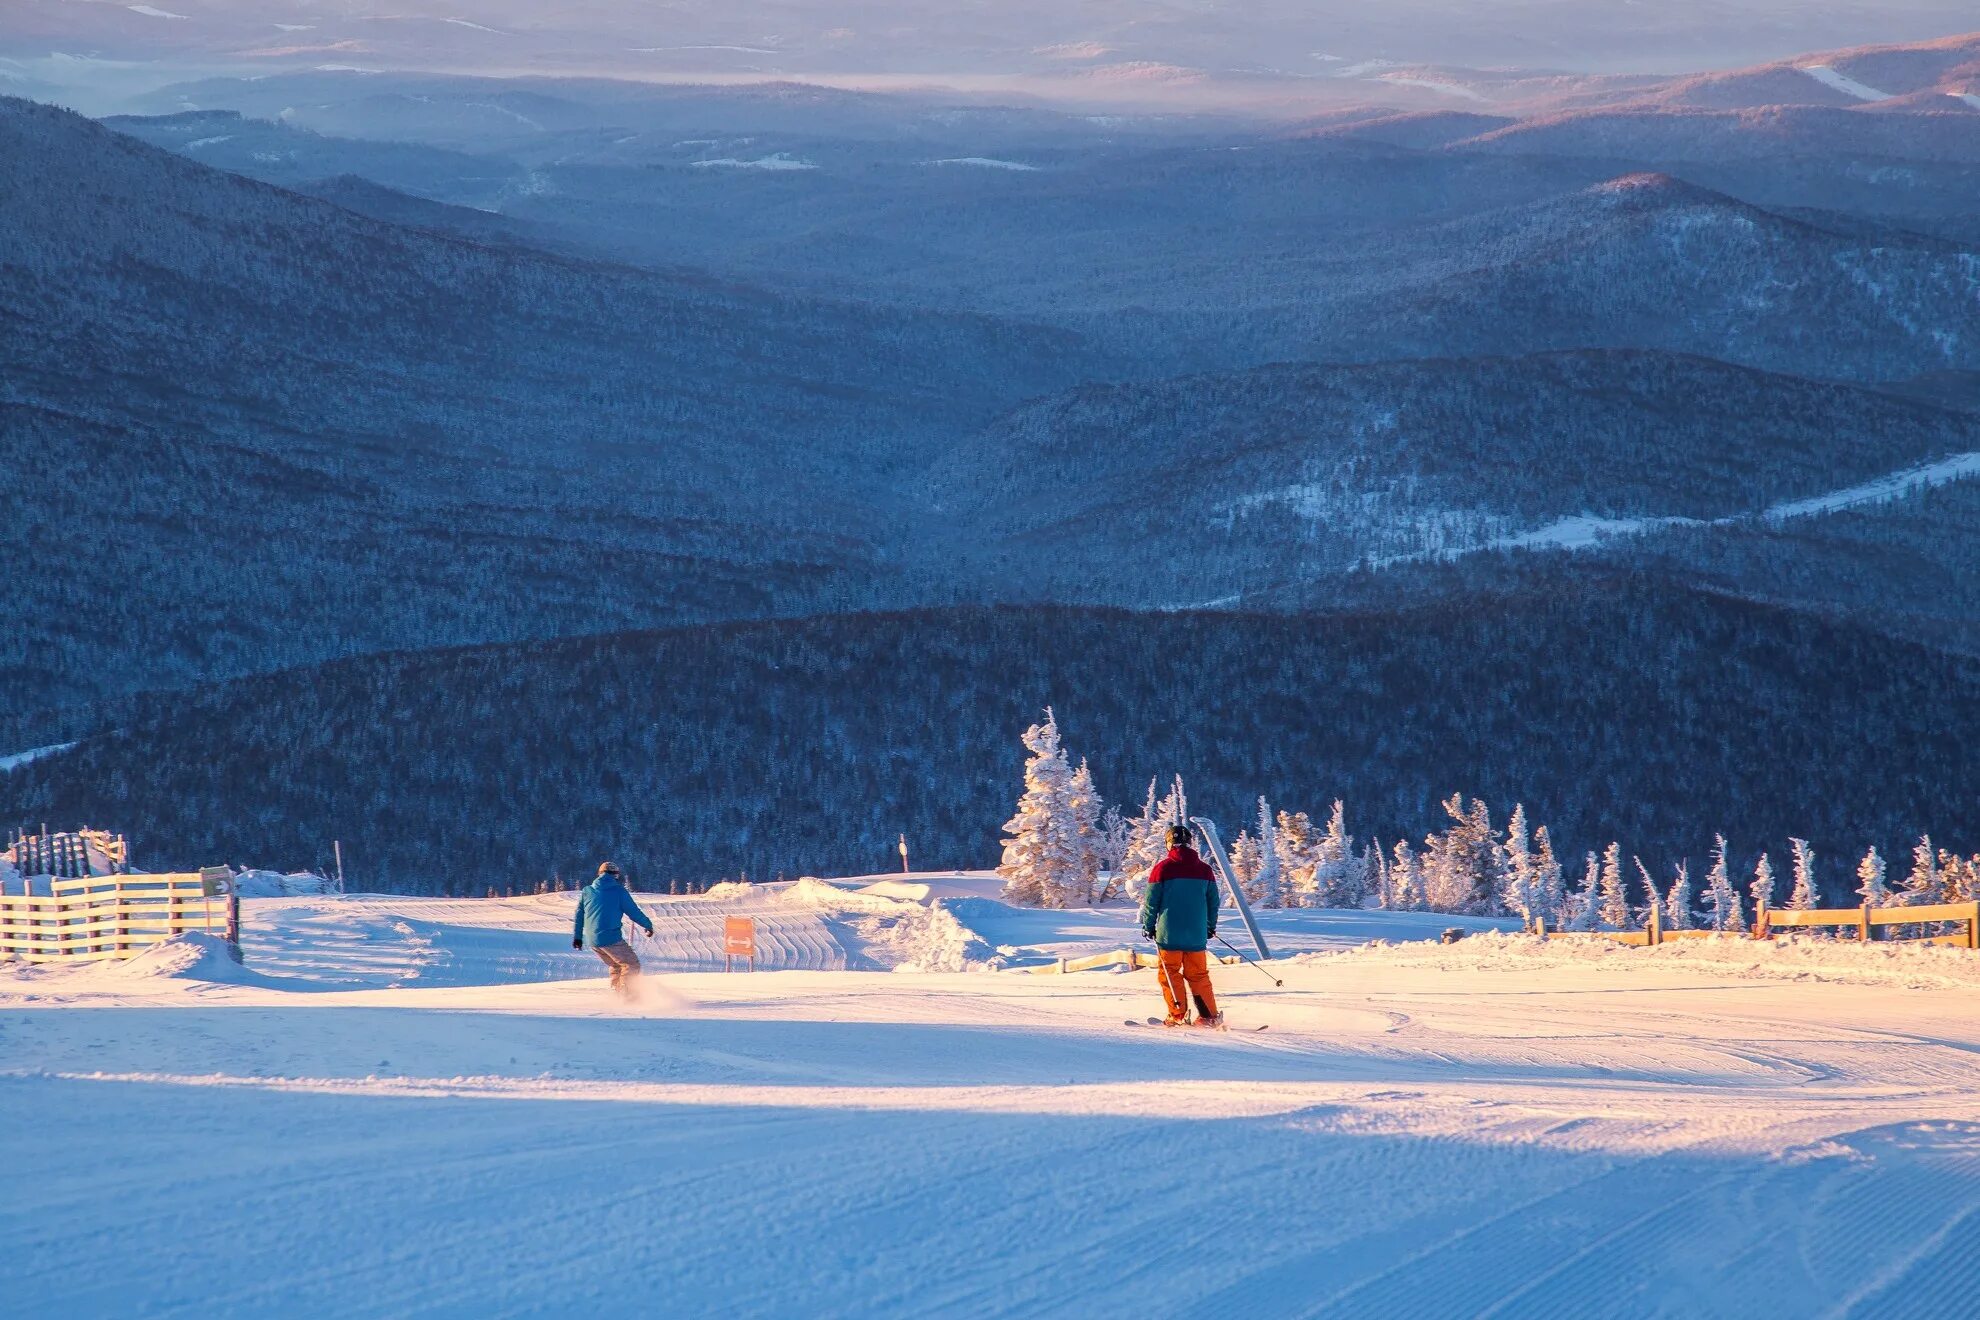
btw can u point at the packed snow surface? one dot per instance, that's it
(1842, 82)
(404, 1105)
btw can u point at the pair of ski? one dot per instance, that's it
(1188, 1026)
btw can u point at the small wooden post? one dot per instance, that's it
(1760, 923)
(1655, 928)
(1540, 927)
(1863, 925)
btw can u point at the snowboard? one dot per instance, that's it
(1190, 1026)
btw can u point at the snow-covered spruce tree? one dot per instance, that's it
(1045, 859)
(1677, 903)
(1653, 902)
(1084, 809)
(1519, 893)
(1405, 880)
(1267, 885)
(1960, 876)
(1585, 905)
(1148, 837)
(1721, 899)
(1870, 885)
(1244, 856)
(1461, 863)
(1804, 897)
(1763, 885)
(1612, 904)
(1337, 881)
(1549, 889)
(1294, 840)
(1114, 833)
(1925, 884)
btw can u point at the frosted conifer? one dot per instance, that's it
(1804, 897)
(1870, 880)
(1612, 907)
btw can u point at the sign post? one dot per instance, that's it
(218, 882)
(738, 941)
(904, 865)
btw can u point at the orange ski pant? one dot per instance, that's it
(1192, 970)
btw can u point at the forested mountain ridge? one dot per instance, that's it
(287, 431)
(1300, 471)
(1613, 708)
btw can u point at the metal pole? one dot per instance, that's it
(1223, 865)
(1247, 961)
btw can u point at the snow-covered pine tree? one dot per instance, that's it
(1805, 896)
(1083, 810)
(1461, 864)
(1925, 884)
(1044, 858)
(1677, 903)
(1653, 902)
(1148, 837)
(1244, 854)
(1335, 873)
(1368, 874)
(1612, 905)
(1550, 890)
(1518, 893)
(1295, 841)
(1870, 880)
(1720, 897)
(1586, 903)
(1960, 877)
(1115, 831)
(1405, 880)
(1267, 885)
(1763, 885)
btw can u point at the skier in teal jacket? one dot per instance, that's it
(1179, 913)
(602, 907)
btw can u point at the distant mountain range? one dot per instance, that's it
(777, 451)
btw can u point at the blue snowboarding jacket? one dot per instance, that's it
(601, 906)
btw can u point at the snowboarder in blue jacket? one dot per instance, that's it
(601, 908)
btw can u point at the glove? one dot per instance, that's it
(577, 943)
(1148, 933)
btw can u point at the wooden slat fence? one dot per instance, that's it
(1863, 922)
(110, 916)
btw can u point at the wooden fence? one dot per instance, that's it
(114, 916)
(1863, 922)
(1132, 959)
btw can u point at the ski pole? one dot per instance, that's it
(1249, 962)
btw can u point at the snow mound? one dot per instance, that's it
(889, 931)
(193, 956)
(278, 884)
(925, 888)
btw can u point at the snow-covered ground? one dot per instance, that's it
(1832, 77)
(408, 1105)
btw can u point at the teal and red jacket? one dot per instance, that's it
(1179, 908)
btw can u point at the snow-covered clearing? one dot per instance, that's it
(986, 162)
(15, 760)
(776, 161)
(406, 1105)
(1587, 530)
(1842, 82)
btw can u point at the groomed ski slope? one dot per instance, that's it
(1493, 1127)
